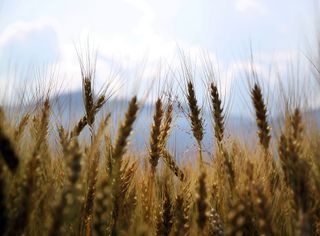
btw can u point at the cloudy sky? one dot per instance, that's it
(128, 34)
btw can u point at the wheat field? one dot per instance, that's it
(101, 187)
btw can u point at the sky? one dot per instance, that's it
(134, 38)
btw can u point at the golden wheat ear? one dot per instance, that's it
(121, 219)
(92, 178)
(202, 203)
(261, 116)
(63, 140)
(21, 127)
(77, 129)
(168, 159)
(41, 129)
(195, 117)
(88, 98)
(119, 148)
(171, 163)
(165, 216)
(263, 213)
(215, 224)
(35, 173)
(240, 220)
(103, 206)
(125, 129)
(217, 111)
(118, 174)
(166, 126)
(155, 148)
(182, 211)
(229, 168)
(296, 169)
(64, 211)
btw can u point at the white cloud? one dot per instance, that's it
(32, 44)
(251, 5)
(121, 49)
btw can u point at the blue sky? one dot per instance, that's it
(129, 33)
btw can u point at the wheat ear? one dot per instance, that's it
(202, 203)
(195, 117)
(21, 127)
(217, 111)
(94, 157)
(261, 116)
(77, 129)
(88, 98)
(166, 126)
(125, 130)
(171, 163)
(69, 198)
(155, 137)
(165, 218)
(117, 154)
(215, 224)
(181, 212)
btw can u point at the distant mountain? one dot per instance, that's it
(68, 108)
